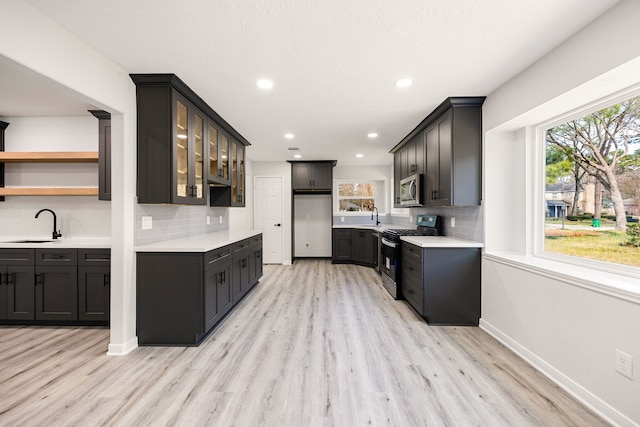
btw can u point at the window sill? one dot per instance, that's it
(608, 283)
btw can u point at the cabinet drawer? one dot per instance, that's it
(411, 269)
(411, 251)
(212, 257)
(94, 256)
(56, 256)
(21, 256)
(256, 240)
(242, 244)
(414, 293)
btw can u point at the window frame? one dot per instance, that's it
(536, 138)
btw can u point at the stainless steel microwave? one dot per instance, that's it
(410, 190)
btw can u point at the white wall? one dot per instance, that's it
(312, 225)
(568, 331)
(34, 41)
(78, 216)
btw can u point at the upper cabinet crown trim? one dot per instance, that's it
(175, 82)
(452, 101)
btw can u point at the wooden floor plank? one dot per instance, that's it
(314, 344)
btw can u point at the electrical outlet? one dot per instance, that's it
(341, 219)
(307, 244)
(624, 364)
(453, 222)
(220, 219)
(411, 219)
(147, 222)
(208, 220)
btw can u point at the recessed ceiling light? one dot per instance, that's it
(404, 82)
(297, 156)
(264, 84)
(289, 135)
(359, 155)
(372, 135)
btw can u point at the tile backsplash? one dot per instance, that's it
(360, 219)
(175, 222)
(469, 221)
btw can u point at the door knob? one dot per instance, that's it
(276, 225)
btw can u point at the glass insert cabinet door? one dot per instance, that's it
(224, 156)
(189, 139)
(198, 187)
(182, 150)
(214, 159)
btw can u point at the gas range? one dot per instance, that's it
(428, 225)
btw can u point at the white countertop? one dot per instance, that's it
(440, 242)
(80, 243)
(201, 243)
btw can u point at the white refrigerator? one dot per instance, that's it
(312, 225)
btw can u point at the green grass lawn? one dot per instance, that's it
(605, 245)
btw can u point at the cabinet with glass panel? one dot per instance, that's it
(185, 146)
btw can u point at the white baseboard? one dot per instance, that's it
(123, 349)
(590, 400)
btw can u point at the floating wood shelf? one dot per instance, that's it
(58, 191)
(49, 157)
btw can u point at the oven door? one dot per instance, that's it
(389, 266)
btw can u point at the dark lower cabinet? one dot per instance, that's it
(341, 245)
(354, 245)
(442, 284)
(183, 295)
(54, 286)
(94, 284)
(17, 293)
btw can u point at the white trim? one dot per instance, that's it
(596, 404)
(123, 349)
(604, 282)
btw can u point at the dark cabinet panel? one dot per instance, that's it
(312, 176)
(217, 292)
(17, 292)
(104, 154)
(240, 270)
(442, 284)
(341, 245)
(56, 292)
(364, 247)
(234, 194)
(94, 290)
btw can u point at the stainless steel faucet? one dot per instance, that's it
(377, 220)
(55, 234)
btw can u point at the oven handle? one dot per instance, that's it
(388, 243)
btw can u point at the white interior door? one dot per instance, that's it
(268, 217)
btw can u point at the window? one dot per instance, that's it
(592, 185)
(356, 196)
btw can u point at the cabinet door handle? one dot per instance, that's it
(39, 279)
(410, 291)
(106, 280)
(2, 281)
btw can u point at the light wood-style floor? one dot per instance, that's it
(314, 344)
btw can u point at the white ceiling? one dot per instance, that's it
(333, 62)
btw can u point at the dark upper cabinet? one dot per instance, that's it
(184, 146)
(234, 194)
(314, 176)
(104, 154)
(218, 150)
(447, 146)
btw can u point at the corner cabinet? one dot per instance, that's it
(447, 148)
(184, 146)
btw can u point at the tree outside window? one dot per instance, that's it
(592, 187)
(356, 196)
